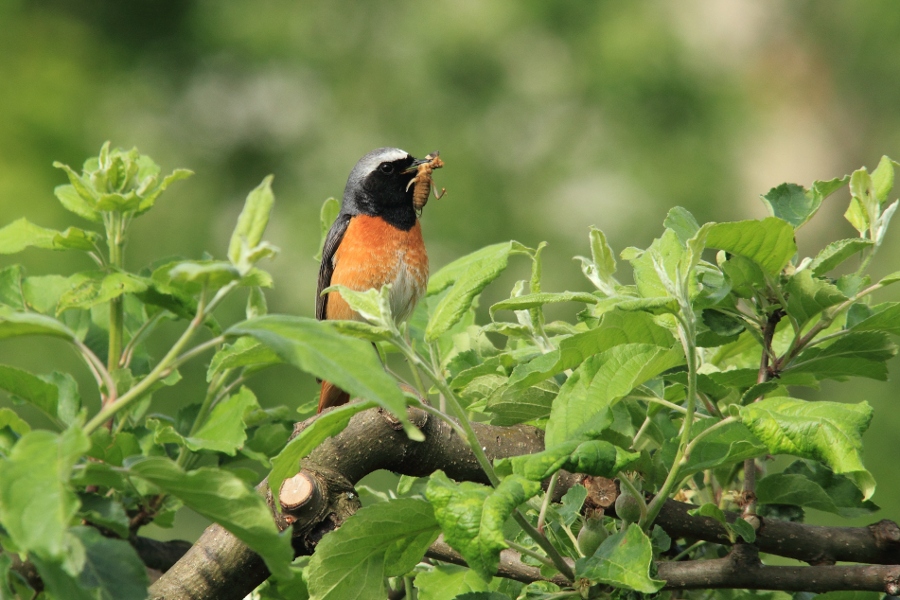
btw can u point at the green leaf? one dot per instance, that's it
(222, 497)
(148, 199)
(214, 274)
(287, 463)
(623, 560)
(727, 445)
(98, 287)
(105, 512)
(468, 276)
(72, 201)
(837, 252)
(883, 179)
(373, 305)
(510, 407)
(244, 352)
(682, 222)
(769, 243)
(829, 432)
(808, 296)
(13, 324)
(743, 529)
(601, 267)
(789, 202)
(813, 485)
(30, 388)
(885, 318)
(864, 208)
(860, 354)
(251, 224)
(22, 234)
(595, 457)
(616, 327)
(112, 569)
(534, 300)
(383, 540)
(225, 429)
(447, 582)
(317, 348)
(11, 287)
(36, 504)
(327, 215)
(656, 269)
(472, 516)
(582, 407)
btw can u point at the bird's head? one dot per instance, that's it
(378, 184)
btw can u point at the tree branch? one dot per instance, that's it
(321, 497)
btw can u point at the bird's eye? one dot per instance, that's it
(386, 168)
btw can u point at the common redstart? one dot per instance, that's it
(375, 240)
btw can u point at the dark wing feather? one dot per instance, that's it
(326, 269)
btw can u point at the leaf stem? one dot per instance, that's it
(102, 376)
(155, 375)
(551, 487)
(115, 240)
(529, 552)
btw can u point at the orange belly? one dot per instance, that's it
(374, 253)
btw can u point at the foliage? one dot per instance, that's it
(668, 384)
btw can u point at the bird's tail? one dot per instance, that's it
(331, 395)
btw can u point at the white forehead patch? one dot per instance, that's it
(370, 161)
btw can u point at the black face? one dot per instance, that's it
(387, 183)
(378, 185)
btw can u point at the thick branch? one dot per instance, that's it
(219, 566)
(740, 569)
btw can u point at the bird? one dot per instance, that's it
(376, 239)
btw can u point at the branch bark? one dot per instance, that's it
(220, 566)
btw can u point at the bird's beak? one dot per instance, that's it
(421, 161)
(416, 163)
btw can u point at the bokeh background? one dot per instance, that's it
(551, 116)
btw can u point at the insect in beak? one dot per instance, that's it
(419, 161)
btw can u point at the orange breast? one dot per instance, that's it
(374, 253)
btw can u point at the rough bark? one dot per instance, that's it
(219, 566)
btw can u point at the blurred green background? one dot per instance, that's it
(550, 116)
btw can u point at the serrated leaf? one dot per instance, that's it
(225, 430)
(616, 327)
(837, 252)
(743, 529)
(105, 512)
(682, 222)
(36, 503)
(885, 318)
(448, 582)
(244, 352)
(317, 348)
(112, 569)
(211, 273)
(829, 432)
(510, 407)
(797, 490)
(72, 201)
(468, 276)
(13, 324)
(656, 269)
(150, 194)
(769, 243)
(602, 265)
(98, 287)
(472, 516)
(372, 305)
(727, 445)
(807, 296)
(22, 234)
(883, 179)
(859, 354)
(326, 425)
(582, 407)
(222, 497)
(527, 301)
(623, 560)
(251, 225)
(594, 457)
(793, 203)
(382, 540)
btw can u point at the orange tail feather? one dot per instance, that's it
(331, 395)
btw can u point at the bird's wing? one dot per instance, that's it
(326, 269)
